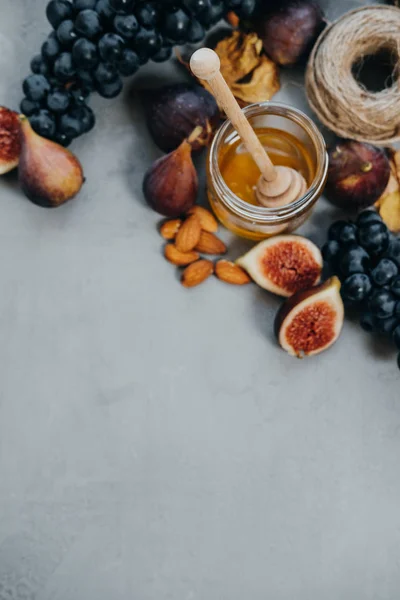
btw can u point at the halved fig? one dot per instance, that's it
(284, 264)
(311, 321)
(10, 144)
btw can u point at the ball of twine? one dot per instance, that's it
(343, 104)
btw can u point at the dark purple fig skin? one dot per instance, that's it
(174, 111)
(358, 174)
(170, 185)
(294, 300)
(289, 29)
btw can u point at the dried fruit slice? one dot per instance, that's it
(252, 76)
(311, 321)
(390, 211)
(388, 204)
(10, 142)
(284, 264)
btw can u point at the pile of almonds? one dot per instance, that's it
(193, 236)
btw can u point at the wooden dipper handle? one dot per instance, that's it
(205, 64)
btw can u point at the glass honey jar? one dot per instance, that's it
(291, 139)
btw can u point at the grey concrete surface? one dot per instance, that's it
(155, 444)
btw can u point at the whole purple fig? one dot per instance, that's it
(174, 111)
(170, 185)
(357, 176)
(289, 29)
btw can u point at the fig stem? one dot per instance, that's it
(335, 282)
(196, 133)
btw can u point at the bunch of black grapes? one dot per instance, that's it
(365, 255)
(96, 43)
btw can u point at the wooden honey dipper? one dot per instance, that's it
(278, 185)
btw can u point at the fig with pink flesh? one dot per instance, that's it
(10, 143)
(311, 321)
(284, 264)
(357, 176)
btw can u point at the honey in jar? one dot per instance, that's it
(241, 173)
(290, 139)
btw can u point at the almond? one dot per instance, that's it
(169, 229)
(197, 272)
(188, 235)
(230, 273)
(178, 258)
(210, 244)
(207, 220)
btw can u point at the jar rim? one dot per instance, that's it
(263, 214)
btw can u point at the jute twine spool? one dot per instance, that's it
(342, 103)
